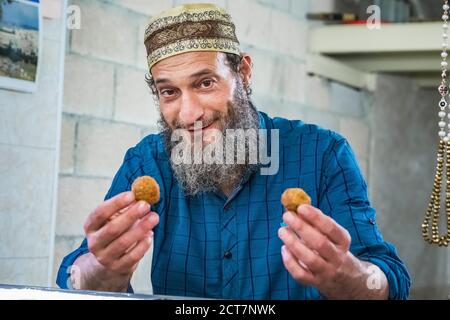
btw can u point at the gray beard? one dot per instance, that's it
(199, 178)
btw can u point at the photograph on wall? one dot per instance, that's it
(20, 42)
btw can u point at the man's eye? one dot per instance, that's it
(167, 92)
(206, 83)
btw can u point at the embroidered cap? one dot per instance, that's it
(188, 28)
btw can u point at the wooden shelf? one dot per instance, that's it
(354, 54)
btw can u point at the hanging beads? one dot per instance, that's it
(443, 155)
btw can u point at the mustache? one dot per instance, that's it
(217, 116)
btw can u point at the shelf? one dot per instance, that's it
(354, 54)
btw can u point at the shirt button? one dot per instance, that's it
(227, 206)
(228, 255)
(372, 221)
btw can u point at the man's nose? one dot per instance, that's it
(190, 110)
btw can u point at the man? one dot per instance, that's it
(219, 230)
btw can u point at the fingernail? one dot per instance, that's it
(288, 216)
(301, 208)
(143, 207)
(154, 218)
(282, 232)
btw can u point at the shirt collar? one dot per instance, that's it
(262, 120)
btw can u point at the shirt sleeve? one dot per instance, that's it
(131, 168)
(344, 197)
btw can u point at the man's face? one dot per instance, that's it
(194, 86)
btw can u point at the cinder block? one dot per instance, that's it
(88, 87)
(269, 29)
(357, 133)
(346, 100)
(26, 190)
(107, 32)
(317, 92)
(101, 147)
(321, 6)
(299, 8)
(220, 3)
(77, 197)
(277, 108)
(269, 3)
(274, 76)
(24, 271)
(52, 29)
(264, 65)
(287, 35)
(324, 119)
(141, 52)
(363, 164)
(134, 101)
(149, 8)
(66, 155)
(253, 31)
(282, 5)
(292, 86)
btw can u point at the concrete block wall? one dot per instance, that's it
(29, 147)
(108, 108)
(404, 144)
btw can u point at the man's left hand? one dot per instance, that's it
(316, 252)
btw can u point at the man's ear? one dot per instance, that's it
(246, 69)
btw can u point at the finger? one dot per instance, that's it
(130, 260)
(128, 217)
(295, 269)
(313, 239)
(118, 213)
(115, 228)
(324, 224)
(313, 262)
(125, 242)
(104, 211)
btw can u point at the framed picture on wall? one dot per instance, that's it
(20, 44)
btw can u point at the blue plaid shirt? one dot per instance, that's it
(218, 247)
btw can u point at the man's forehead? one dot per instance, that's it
(189, 63)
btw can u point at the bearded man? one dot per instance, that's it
(219, 230)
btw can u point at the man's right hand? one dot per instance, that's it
(116, 245)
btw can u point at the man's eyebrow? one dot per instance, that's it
(202, 73)
(162, 80)
(194, 75)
